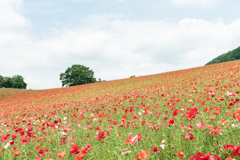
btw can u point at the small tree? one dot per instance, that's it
(77, 75)
(12, 82)
(18, 82)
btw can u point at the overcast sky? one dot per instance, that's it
(40, 39)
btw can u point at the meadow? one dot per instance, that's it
(191, 114)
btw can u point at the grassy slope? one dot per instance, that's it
(161, 92)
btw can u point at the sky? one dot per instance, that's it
(117, 39)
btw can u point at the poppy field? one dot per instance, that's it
(191, 114)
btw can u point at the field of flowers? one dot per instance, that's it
(188, 114)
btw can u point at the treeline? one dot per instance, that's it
(16, 81)
(229, 56)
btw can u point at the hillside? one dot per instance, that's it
(174, 115)
(229, 56)
(8, 92)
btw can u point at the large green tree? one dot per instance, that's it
(16, 81)
(77, 75)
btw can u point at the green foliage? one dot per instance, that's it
(132, 76)
(77, 75)
(7, 83)
(16, 81)
(229, 56)
(1, 81)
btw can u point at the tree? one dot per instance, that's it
(7, 83)
(18, 82)
(1, 81)
(77, 75)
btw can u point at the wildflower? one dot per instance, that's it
(11, 142)
(189, 136)
(101, 135)
(61, 154)
(230, 158)
(155, 149)
(216, 157)
(162, 146)
(237, 113)
(131, 140)
(128, 140)
(175, 112)
(171, 122)
(80, 156)
(125, 151)
(63, 133)
(72, 138)
(4, 139)
(41, 152)
(14, 148)
(163, 141)
(14, 136)
(200, 125)
(235, 151)
(25, 140)
(6, 146)
(234, 125)
(16, 153)
(74, 149)
(229, 94)
(86, 148)
(180, 154)
(200, 156)
(142, 154)
(36, 148)
(38, 158)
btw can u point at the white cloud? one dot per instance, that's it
(9, 18)
(196, 3)
(113, 46)
(84, 1)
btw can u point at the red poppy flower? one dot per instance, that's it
(155, 149)
(14, 148)
(175, 112)
(180, 154)
(74, 149)
(61, 154)
(80, 156)
(101, 135)
(189, 136)
(72, 138)
(142, 154)
(171, 122)
(16, 153)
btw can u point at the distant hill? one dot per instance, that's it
(229, 56)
